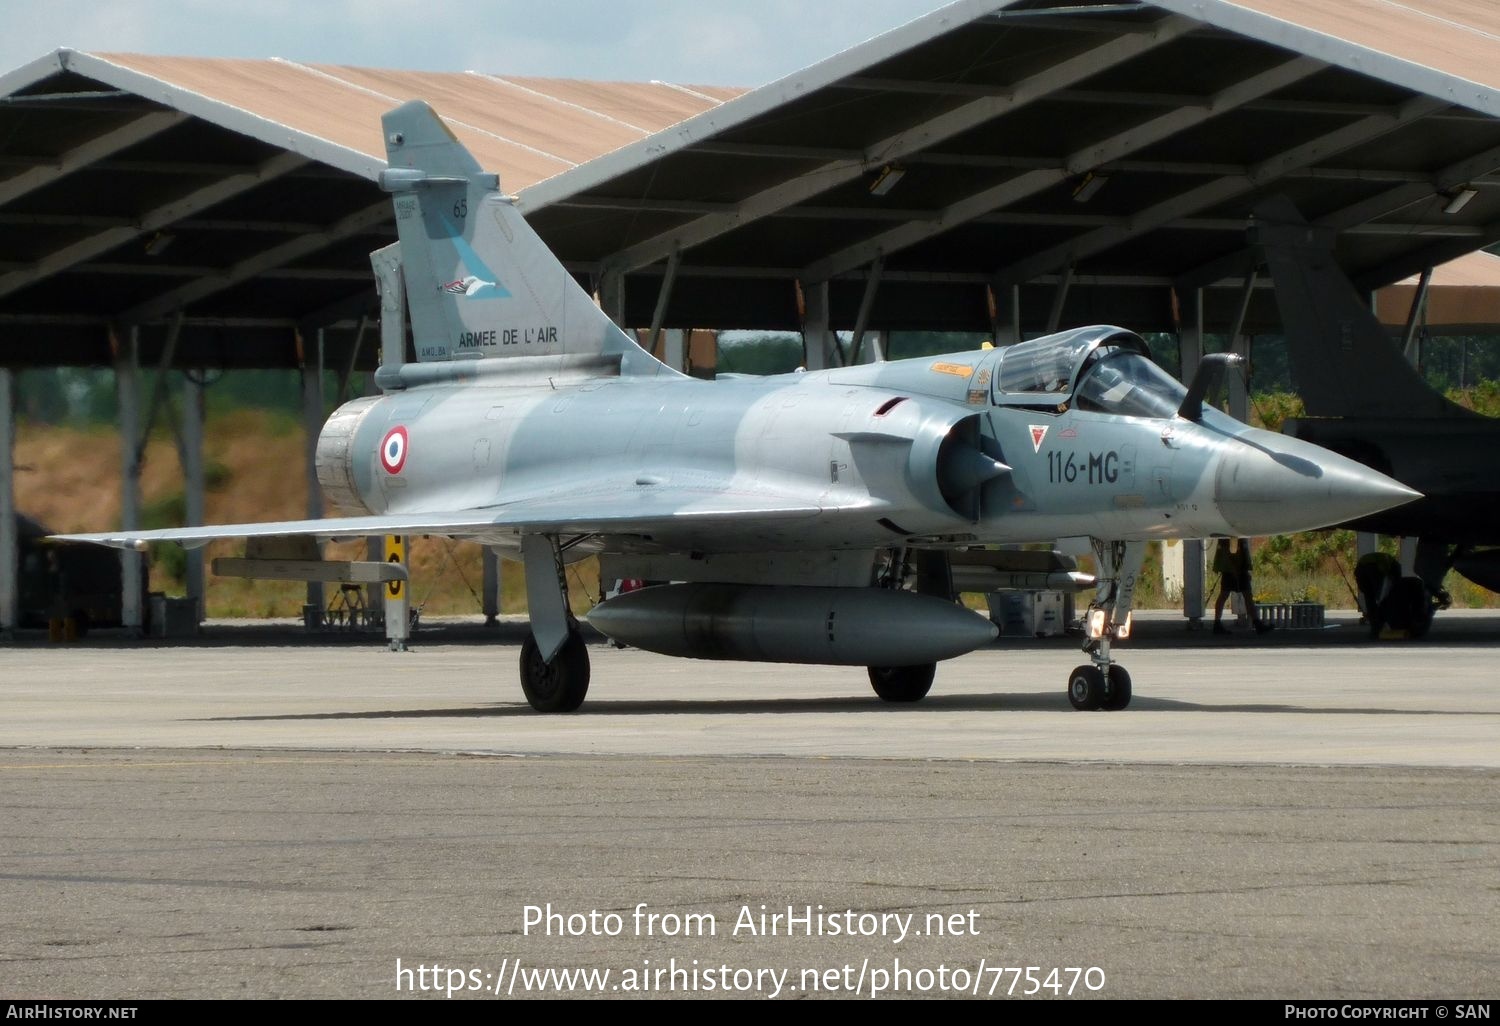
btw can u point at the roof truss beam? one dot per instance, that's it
(191, 224)
(1223, 224)
(162, 167)
(1073, 18)
(667, 205)
(1103, 151)
(155, 270)
(102, 321)
(253, 266)
(1361, 216)
(1217, 191)
(776, 151)
(646, 204)
(1268, 104)
(887, 276)
(89, 152)
(1019, 163)
(932, 132)
(211, 224)
(152, 220)
(1403, 196)
(1122, 98)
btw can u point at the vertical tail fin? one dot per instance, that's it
(1344, 363)
(479, 282)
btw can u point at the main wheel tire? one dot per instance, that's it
(903, 683)
(1116, 689)
(1419, 606)
(559, 686)
(1086, 687)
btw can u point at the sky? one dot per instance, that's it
(704, 42)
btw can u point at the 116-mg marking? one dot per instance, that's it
(1092, 468)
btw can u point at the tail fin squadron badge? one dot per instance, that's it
(470, 286)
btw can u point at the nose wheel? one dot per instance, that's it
(1090, 688)
(1102, 683)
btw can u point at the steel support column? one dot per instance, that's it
(1409, 556)
(1190, 340)
(1239, 344)
(1411, 339)
(10, 551)
(1059, 299)
(866, 307)
(817, 340)
(375, 593)
(194, 480)
(674, 348)
(1007, 314)
(312, 425)
(663, 300)
(491, 587)
(612, 296)
(128, 389)
(1239, 380)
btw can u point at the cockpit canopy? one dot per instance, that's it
(1099, 368)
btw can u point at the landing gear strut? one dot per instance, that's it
(934, 573)
(1101, 683)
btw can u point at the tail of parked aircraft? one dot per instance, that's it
(480, 283)
(1343, 361)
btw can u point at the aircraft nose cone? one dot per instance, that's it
(1273, 484)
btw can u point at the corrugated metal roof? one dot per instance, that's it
(1456, 38)
(527, 128)
(996, 112)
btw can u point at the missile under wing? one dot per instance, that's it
(807, 517)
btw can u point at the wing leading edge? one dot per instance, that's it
(648, 510)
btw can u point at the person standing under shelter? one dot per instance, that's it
(1232, 564)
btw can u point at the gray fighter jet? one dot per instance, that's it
(805, 518)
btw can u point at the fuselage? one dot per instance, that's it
(927, 451)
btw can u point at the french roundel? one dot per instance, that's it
(393, 450)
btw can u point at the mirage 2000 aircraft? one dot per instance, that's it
(793, 513)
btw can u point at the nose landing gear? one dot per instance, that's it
(1102, 683)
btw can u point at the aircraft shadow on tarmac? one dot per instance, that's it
(997, 702)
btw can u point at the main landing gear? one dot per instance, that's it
(558, 686)
(934, 576)
(554, 658)
(1101, 683)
